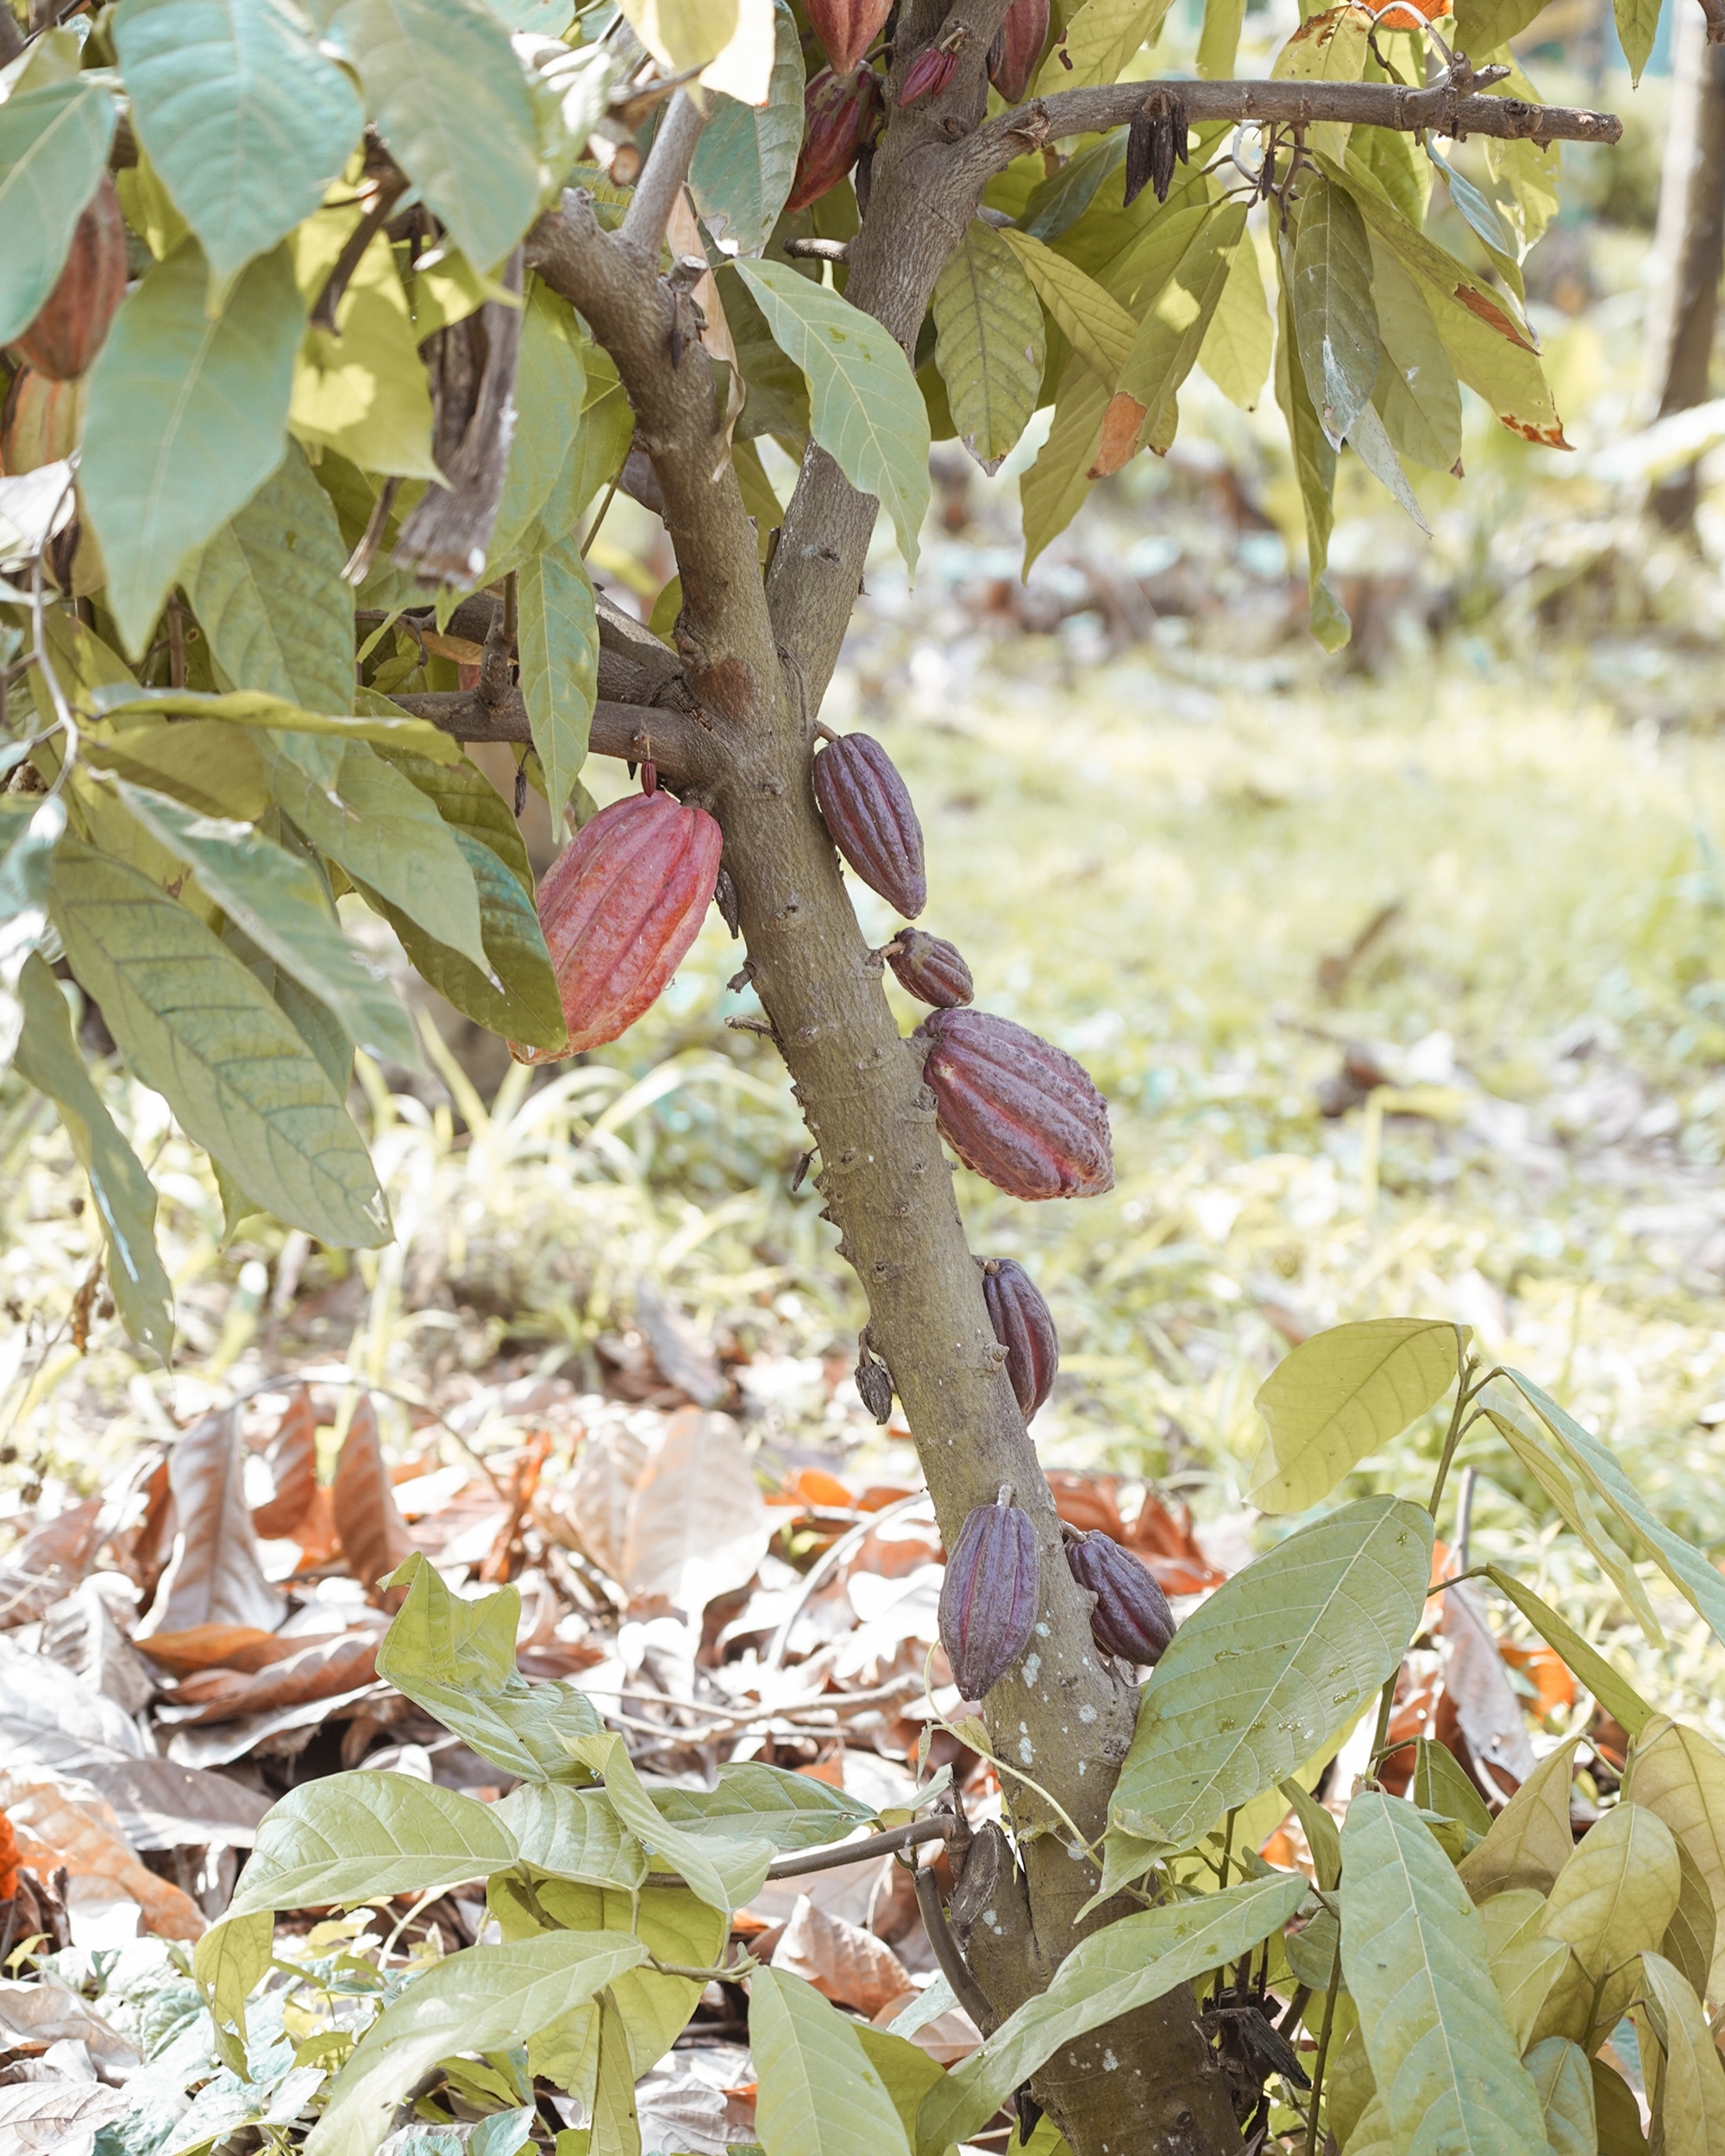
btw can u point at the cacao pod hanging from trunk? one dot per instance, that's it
(1016, 1108)
(41, 422)
(1024, 1328)
(1018, 48)
(69, 328)
(930, 968)
(847, 28)
(987, 1600)
(1132, 1618)
(928, 74)
(867, 808)
(621, 905)
(839, 116)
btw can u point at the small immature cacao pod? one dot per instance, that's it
(988, 1601)
(41, 422)
(930, 72)
(874, 1384)
(1017, 1109)
(69, 328)
(838, 116)
(868, 816)
(621, 905)
(847, 28)
(1024, 1328)
(1018, 48)
(1132, 1618)
(930, 968)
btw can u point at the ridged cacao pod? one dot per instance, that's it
(1018, 48)
(41, 424)
(930, 968)
(1132, 1618)
(874, 1383)
(621, 905)
(988, 1601)
(1017, 1109)
(839, 114)
(1024, 1327)
(847, 28)
(930, 72)
(870, 817)
(68, 331)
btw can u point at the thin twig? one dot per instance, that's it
(662, 181)
(953, 1966)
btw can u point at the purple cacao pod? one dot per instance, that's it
(1132, 1618)
(988, 1601)
(1024, 1328)
(929, 74)
(1018, 48)
(838, 116)
(1016, 1108)
(847, 28)
(868, 816)
(931, 968)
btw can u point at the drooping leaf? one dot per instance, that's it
(456, 1659)
(1169, 338)
(29, 831)
(1098, 40)
(486, 1998)
(1372, 446)
(1314, 467)
(722, 1870)
(1442, 1784)
(193, 1023)
(1329, 45)
(213, 767)
(818, 2093)
(1091, 320)
(1218, 47)
(1414, 1953)
(1679, 1773)
(48, 1059)
(573, 1834)
(465, 798)
(551, 390)
(865, 409)
(1323, 1836)
(1052, 491)
(1561, 2074)
(449, 99)
(1525, 1965)
(1286, 1652)
(360, 390)
(268, 593)
(1240, 341)
(1416, 393)
(559, 645)
(1638, 27)
(280, 900)
(990, 344)
(1691, 2114)
(230, 1961)
(1061, 197)
(1530, 1841)
(245, 120)
(54, 139)
(1616, 1694)
(187, 418)
(747, 156)
(1125, 1966)
(1483, 25)
(387, 724)
(350, 1838)
(1618, 1892)
(1335, 317)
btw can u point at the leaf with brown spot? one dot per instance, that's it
(1489, 312)
(1121, 423)
(368, 1523)
(293, 1463)
(213, 1577)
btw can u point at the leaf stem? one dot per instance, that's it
(1319, 2063)
(1465, 1392)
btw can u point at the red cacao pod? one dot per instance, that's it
(847, 28)
(928, 75)
(931, 968)
(621, 905)
(987, 1600)
(1024, 1327)
(839, 116)
(869, 815)
(68, 331)
(1016, 1108)
(41, 422)
(1018, 48)
(1132, 1618)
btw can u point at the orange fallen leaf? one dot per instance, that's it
(321, 1670)
(372, 1533)
(817, 1487)
(293, 1463)
(52, 1828)
(843, 1962)
(217, 1646)
(1546, 1670)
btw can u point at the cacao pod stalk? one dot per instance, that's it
(839, 114)
(70, 326)
(619, 907)
(987, 1600)
(847, 28)
(930, 968)
(1023, 1326)
(870, 817)
(1015, 1108)
(1018, 48)
(1132, 1618)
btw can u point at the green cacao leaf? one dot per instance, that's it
(214, 768)
(1416, 393)
(1691, 2114)
(193, 1023)
(747, 155)
(1177, 316)
(551, 390)
(559, 646)
(187, 418)
(463, 796)
(1680, 1774)
(721, 1870)
(1052, 492)
(54, 139)
(1240, 341)
(1092, 320)
(1638, 26)
(230, 1961)
(1314, 466)
(755, 1802)
(245, 120)
(989, 343)
(1615, 1898)
(820, 2095)
(1483, 25)
(1335, 318)
(386, 724)
(1414, 1956)
(1614, 1694)
(1097, 41)
(1530, 1841)
(29, 830)
(1343, 1393)
(573, 1834)
(1286, 1652)
(351, 1838)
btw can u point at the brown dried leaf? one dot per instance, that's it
(215, 1575)
(49, 1562)
(320, 1670)
(843, 1962)
(293, 1462)
(1479, 1700)
(55, 1827)
(372, 1534)
(699, 1526)
(1089, 1501)
(593, 1504)
(217, 1646)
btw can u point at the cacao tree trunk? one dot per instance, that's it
(1689, 246)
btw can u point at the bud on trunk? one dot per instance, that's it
(1132, 1618)
(987, 1601)
(847, 28)
(69, 328)
(1016, 1108)
(868, 812)
(1018, 48)
(1024, 1328)
(930, 968)
(838, 116)
(930, 72)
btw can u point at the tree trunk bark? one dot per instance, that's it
(1689, 246)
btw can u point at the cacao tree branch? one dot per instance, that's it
(666, 168)
(684, 750)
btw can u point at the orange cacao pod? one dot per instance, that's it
(68, 331)
(1017, 1109)
(1131, 1618)
(868, 816)
(839, 116)
(41, 422)
(621, 905)
(1023, 1326)
(1018, 48)
(931, 968)
(847, 28)
(987, 1600)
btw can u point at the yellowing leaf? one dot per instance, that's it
(1098, 41)
(684, 34)
(990, 344)
(1335, 318)
(1563, 2075)
(364, 391)
(1240, 341)
(1343, 1393)
(1328, 46)
(1617, 1893)
(1680, 1774)
(1094, 322)
(820, 2095)
(1691, 2113)
(1530, 1841)
(1175, 319)
(1614, 1694)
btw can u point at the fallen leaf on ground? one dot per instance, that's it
(293, 1465)
(698, 1527)
(843, 1962)
(215, 1575)
(54, 1827)
(374, 1535)
(321, 1668)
